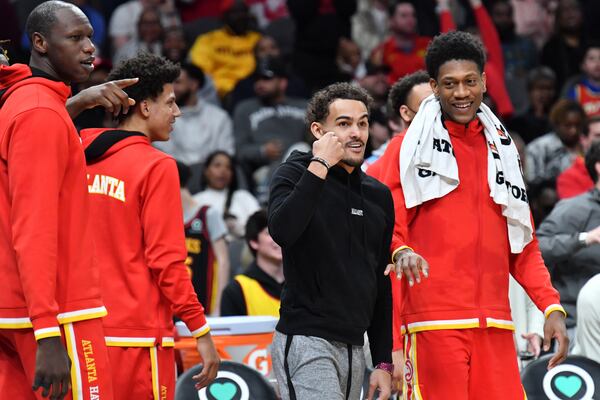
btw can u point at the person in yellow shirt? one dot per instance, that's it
(227, 54)
(258, 290)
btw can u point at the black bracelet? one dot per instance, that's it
(321, 161)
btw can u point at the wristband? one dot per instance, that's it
(321, 161)
(387, 367)
(398, 250)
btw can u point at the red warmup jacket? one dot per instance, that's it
(49, 275)
(464, 237)
(136, 214)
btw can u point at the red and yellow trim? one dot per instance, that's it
(443, 324)
(76, 379)
(15, 323)
(155, 380)
(203, 330)
(500, 323)
(81, 315)
(117, 341)
(168, 342)
(554, 307)
(44, 333)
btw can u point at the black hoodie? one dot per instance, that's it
(335, 235)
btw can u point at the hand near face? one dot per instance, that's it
(329, 147)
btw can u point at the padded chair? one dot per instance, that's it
(577, 378)
(234, 382)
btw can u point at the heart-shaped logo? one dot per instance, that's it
(568, 385)
(223, 391)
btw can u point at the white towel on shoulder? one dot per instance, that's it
(428, 168)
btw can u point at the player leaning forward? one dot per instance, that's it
(463, 223)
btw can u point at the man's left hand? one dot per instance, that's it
(555, 328)
(534, 343)
(381, 380)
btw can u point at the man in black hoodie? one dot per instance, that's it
(334, 225)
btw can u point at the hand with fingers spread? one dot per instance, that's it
(52, 369)
(210, 361)
(409, 264)
(109, 95)
(555, 328)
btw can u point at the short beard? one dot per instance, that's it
(354, 162)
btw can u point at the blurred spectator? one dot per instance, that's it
(587, 338)
(585, 89)
(258, 290)
(404, 100)
(175, 48)
(319, 26)
(226, 54)
(564, 50)
(494, 66)
(202, 128)
(266, 47)
(569, 239)
(191, 10)
(349, 60)
(541, 91)
(376, 83)
(551, 154)
(148, 39)
(266, 11)
(266, 125)
(220, 190)
(534, 19)
(404, 51)
(208, 258)
(519, 52)
(379, 134)
(3, 53)
(123, 23)
(370, 26)
(576, 180)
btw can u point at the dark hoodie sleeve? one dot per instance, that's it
(380, 331)
(294, 196)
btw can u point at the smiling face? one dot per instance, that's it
(67, 51)
(349, 120)
(266, 248)
(460, 87)
(161, 114)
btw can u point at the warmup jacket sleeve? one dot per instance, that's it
(294, 197)
(529, 270)
(37, 158)
(380, 332)
(555, 243)
(165, 244)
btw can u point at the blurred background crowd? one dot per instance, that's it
(249, 66)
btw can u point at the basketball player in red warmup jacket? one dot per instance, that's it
(134, 191)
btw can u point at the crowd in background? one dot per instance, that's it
(248, 68)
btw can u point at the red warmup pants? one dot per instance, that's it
(461, 364)
(143, 373)
(90, 371)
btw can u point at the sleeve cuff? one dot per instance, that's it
(554, 307)
(203, 330)
(44, 333)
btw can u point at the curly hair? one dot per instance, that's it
(317, 109)
(562, 107)
(453, 45)
(153, 73)
(401, 89)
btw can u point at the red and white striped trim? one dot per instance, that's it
(80, 315)
(500, 323)
(119, 341)
(443, 324)
(15, 323)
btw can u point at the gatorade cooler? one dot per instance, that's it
(242, 339)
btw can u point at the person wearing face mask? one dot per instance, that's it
(227, 54)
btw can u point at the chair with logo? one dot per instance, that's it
(577, 378)
(234, 381)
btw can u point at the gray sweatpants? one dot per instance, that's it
(316, 369)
